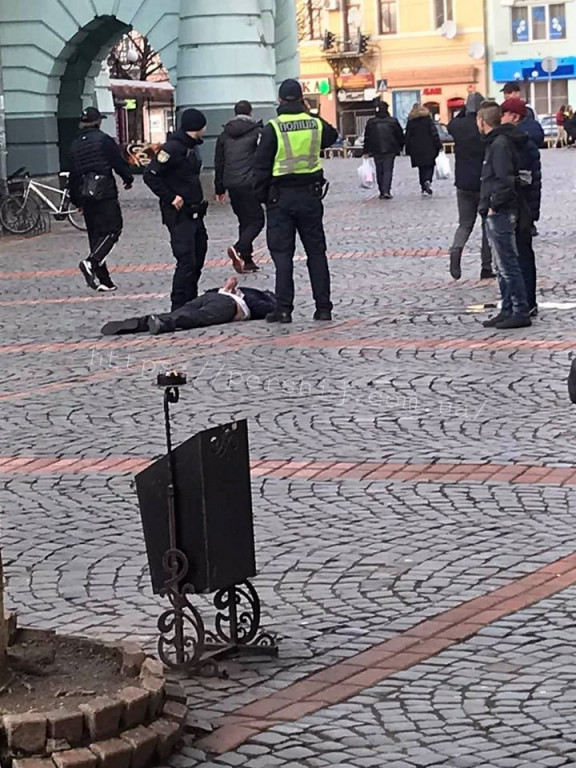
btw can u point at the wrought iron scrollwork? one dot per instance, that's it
(238, 616)
(227, 439)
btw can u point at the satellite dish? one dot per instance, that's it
(477, 50)
(449, 30)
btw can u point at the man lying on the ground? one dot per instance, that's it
(225, 305)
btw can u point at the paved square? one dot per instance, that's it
(407, 463)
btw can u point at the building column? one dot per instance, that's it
(286, 40)
(225, 55)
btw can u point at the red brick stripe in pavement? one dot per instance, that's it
(167, 267)
(367, 471)
(349, 678)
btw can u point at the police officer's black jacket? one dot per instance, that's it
(234, 156)
(176, 171)
(97, 152)
(266, 154)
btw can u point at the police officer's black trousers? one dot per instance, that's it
(250, 217)
(189, 241)
(104, 224)
(298, 210)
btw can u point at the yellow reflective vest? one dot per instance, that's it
(299, 144)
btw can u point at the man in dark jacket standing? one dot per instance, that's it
(530, 190)
(92, 158)
(383, 140)
(233, 164)
(469, 150)
(289, 178)
(500, 205)
(174, 177)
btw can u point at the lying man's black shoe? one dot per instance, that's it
(572, 382)
(278, 317)
(118, 327)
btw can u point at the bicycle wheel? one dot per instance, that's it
(18, 216)
(75, 218)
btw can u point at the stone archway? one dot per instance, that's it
(215, 52)
(86, 47)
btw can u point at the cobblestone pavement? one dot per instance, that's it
(422, 462)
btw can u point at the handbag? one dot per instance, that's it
(94, 187)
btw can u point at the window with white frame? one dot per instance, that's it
(538, 22)
(443, 12)
(387, 17)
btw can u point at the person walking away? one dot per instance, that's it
(92, 158)
(233, 161)
(289, 179)
(499, 204)
(469, 153)
(423, 145)
(174, 177)
(530, 194)
(384, 141)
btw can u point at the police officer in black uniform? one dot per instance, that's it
(92, 158)
(174, 177)
(288, 177)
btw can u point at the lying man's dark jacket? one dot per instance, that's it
(259, 302)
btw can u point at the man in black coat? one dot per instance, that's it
(233, 163)
(469, 151)
(383, 140)
(530, 189)
(215, 307)
(174, 177)
(92, 158)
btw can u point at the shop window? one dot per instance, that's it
(559, 96)
(443, 11)
(387, 17)
(539, 22)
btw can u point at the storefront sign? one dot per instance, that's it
(360, 80)
(314, 85)
(350, 96)
(432, 91)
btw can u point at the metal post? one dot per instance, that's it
(549, 93)
(3, 145)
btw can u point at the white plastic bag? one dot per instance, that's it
(443, 170)
(367, 174)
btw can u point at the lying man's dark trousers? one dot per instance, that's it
(212, 308)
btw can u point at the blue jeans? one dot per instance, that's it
(501, 230)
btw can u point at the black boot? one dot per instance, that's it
(278, 316)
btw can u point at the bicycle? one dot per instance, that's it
(20, 212)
